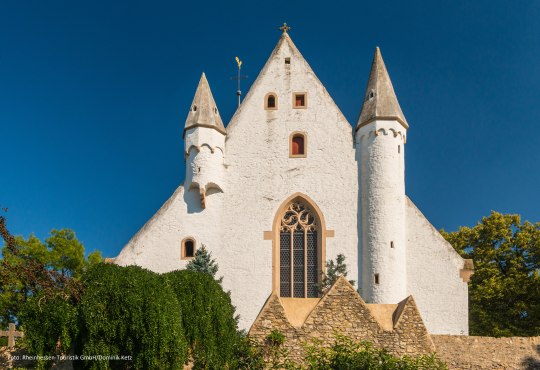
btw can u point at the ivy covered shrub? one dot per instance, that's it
(346, 353)
(133, 312)
(207, 317)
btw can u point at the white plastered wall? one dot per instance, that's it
(261, 175)
(382, 178)
(433, 269)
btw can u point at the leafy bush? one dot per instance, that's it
(345, 353)
(247, 354)
(207, 318)
(130, 311)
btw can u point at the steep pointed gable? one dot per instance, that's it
(285, 45)
(203, 111)
(380, 101)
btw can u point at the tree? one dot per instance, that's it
(333, 271)
(504, 291)
(203, 262)
(30, 268)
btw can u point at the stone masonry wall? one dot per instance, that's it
(343, 311)
(464, 352)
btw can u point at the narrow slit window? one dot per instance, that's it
(391, 244)
(300, 100)
(298, 145)
(399, 149)
(376, 278)
(188, 248)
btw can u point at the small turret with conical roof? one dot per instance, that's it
(204, 112)
(380, 102)
(380, 141)
(204, 140)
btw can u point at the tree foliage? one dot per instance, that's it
(203, 262)
(504, 291)
(333, 271)
(30, 268)
(207, 318)
(130, 311)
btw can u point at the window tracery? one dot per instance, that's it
(298, 252)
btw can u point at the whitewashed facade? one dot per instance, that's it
(241, 180)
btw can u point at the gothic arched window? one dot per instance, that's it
(298, 252)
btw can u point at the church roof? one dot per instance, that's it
(203, 111)
(380, 100)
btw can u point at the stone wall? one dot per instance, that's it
(397, 328)
(342, 310)
(464, 352)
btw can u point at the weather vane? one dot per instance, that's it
(285, 28)
(239, 77)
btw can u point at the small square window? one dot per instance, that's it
(299, 100)
(287, 60)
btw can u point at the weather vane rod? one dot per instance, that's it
(239, 77)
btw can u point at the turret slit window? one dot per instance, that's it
(376, 278)
(188, 248)
(298, 145)
(270, 101)
(299, 270)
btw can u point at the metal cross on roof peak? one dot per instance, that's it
(285, 28)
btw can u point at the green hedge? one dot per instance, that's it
(207, 318)
(129, 311)
(49, 326)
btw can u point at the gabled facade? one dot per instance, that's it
(290, 184)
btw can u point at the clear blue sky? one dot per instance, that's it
(93, 98)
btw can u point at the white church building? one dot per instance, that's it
(288, 184)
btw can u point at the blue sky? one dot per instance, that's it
(94, 95)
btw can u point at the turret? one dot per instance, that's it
(204, 140)
(380, 142)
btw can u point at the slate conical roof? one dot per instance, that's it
(380, 100)
(203, 111)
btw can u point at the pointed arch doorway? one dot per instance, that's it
(298, 247)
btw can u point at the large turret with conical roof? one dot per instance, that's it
(380, 144)
(204, 140)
